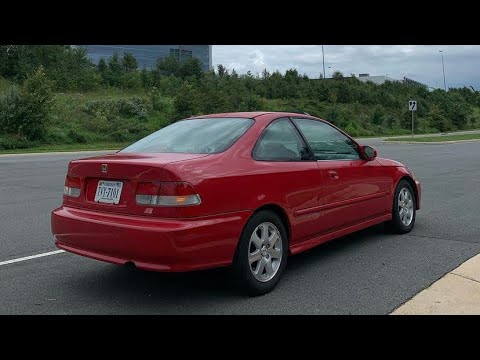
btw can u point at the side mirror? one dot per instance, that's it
(368, 153)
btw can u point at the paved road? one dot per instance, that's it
(366, 273)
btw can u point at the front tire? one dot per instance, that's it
(403, 209)
(261, 254)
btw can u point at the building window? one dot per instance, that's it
(185, 54)
(174, 52)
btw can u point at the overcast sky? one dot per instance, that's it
(418, 62)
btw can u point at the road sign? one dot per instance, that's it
(412, 105)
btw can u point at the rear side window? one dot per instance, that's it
(197, 136)
(280, 142)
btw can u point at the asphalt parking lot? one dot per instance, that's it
(370, 272)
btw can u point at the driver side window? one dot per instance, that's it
(327, 143)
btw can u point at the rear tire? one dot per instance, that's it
(261, 254)
(403, 209)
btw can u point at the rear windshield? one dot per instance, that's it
(198, 136)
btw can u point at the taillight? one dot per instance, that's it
(166, 194)
(72, 186)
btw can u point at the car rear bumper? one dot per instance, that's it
(419, 193)
(151, 244)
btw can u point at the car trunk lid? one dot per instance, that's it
(123, 170)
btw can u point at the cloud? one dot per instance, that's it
(420, 62)
(257, 58)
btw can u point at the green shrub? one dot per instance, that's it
(119, 135)
(77, 137)
(13, 142)
(437, 119)
(159, 102)
(337, 116)
(146, 78)
(134, 106)
(104, 107)
(26, 111)
(130, 80)
(68, 67)
(10, 110)
(184, 103)
(4, 84)
(55, 135)
(378, 116)
(89, 79)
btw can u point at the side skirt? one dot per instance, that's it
(308, 244)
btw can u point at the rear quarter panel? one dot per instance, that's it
(247, 184)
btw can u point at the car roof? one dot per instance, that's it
(255, 114)
(246, 114)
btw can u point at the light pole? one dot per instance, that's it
(323, 56)
(330, 71)
(443, 66)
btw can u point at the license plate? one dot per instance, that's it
(108, 192)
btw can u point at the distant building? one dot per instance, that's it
(147, 55)
(414, 83)
(379, 79)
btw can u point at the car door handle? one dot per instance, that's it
(333, 175)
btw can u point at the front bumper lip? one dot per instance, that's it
(150, 243)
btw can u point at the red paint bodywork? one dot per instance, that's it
(320, 201)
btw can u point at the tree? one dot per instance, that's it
(437, 119)
(337, 75)
(37, 99)
(378, 115)
(221, 70)
(102, 66)
(69, 67)
(9, 59)
(457, 110)
(129, 62)
(191, 67)
(146, 78)
(265, 74)
(114, 64)
(168, 66)
(26, 111)
(184, 102)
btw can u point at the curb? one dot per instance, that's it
(455, 293)
(431, 142)
(61, 153)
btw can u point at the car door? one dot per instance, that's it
(286, 173)
(354, 190)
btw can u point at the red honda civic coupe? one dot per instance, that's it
(241, 189)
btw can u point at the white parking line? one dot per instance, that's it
(31, 257)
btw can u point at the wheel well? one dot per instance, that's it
(281, 214)
(412, 184)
